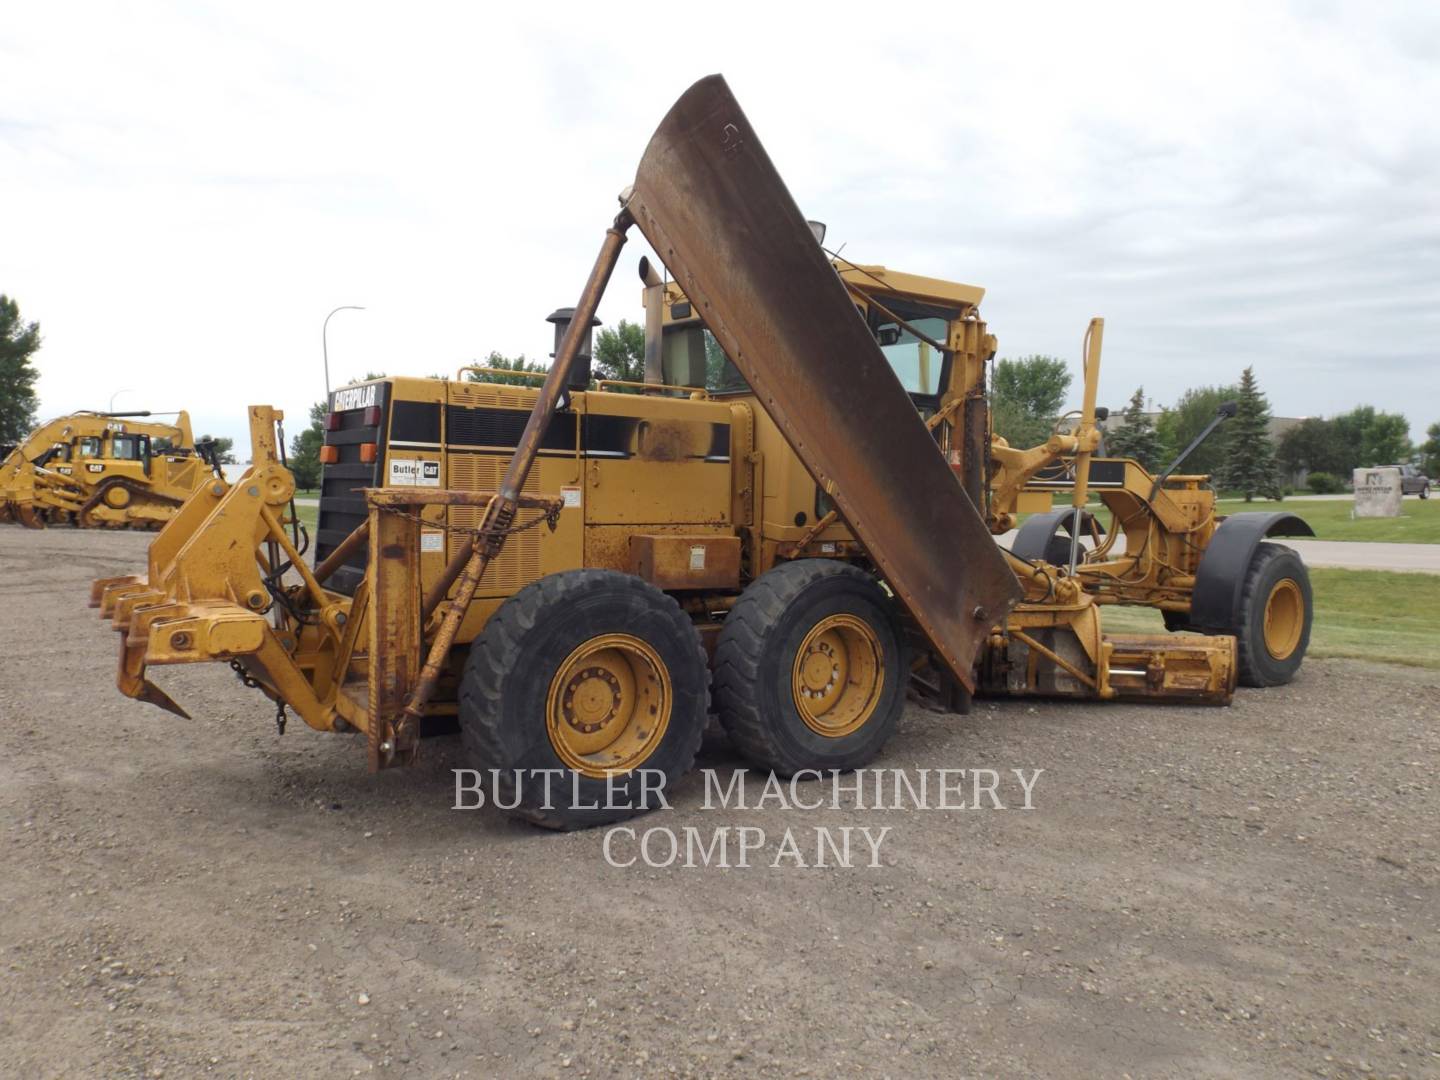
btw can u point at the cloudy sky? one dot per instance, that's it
(187, 189)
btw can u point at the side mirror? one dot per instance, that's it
(888, 335)
(1102, 413)
(1227, 409)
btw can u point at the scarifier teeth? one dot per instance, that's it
(155, 696)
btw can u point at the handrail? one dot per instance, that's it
(499, 371)
(692, 391)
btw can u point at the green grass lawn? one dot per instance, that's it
(1364, 614)
(1418, 523)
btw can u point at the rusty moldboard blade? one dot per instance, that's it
(711, 204)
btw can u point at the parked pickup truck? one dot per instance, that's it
(1413, 481)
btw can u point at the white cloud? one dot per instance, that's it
(190, 189)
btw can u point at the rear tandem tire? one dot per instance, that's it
(583, 672)
(818, 632)
(1276, 609)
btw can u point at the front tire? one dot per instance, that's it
(1276, 609)
(593, 673)
(810, 668)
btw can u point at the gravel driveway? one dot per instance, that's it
(1248, 891)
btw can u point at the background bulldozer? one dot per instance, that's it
(794, 509)
(102, 470)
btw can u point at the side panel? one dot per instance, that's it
(717, 213)
(655, 460)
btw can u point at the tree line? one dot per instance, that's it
(1028, 393)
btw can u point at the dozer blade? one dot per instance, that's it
(711, 204)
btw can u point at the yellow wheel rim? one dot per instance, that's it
(608, 706)
(1284, 619)
(838, 675)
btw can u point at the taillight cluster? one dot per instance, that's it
(330, 455)
(369, 452)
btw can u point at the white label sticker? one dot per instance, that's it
(828, 548)
(357, 397)
(432, 540)
(697, 556)
(570, 496)
(407, 472)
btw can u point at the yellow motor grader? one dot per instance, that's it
(102, 470)
(791, 507)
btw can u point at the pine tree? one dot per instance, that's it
(1138, 438)
(1249, 453)
(18, 340)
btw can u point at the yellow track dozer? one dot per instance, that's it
(570, 569)
(102, 470)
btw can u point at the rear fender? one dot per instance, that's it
(1033, 539)
(1215, 600)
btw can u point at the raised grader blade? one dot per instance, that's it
(710, 202)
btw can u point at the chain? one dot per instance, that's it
(254, 684)
(245, 677)
(550, 517)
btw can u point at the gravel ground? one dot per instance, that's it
(1197, 892)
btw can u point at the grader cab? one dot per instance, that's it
(101, 470)
(571, 569)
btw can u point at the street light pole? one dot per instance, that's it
(325, 342)
(116, 394)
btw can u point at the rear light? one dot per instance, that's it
(368, 452)
(372, 416)
(332, 421)
(329, 455)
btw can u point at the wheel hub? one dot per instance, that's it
(608, 705)
(592, 699)
(838, 675)
(1284, 619)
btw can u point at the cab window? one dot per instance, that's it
(916, 362)
(125, 447)
(88, 446)
(690, 356)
